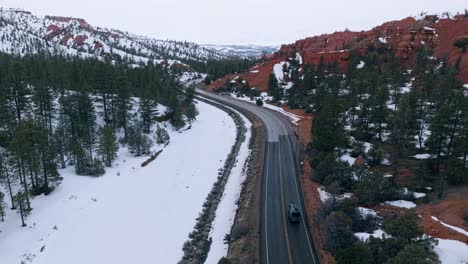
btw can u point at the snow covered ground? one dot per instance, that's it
(452, 251)
(131, 214)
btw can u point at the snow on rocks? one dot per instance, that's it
(401, 204)
(128, 216)
(324, 195)
(278, 71)
(457, 229)
(452, 251)
(366, 211)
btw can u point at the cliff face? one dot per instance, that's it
(403, 36)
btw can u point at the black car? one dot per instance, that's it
(294, 212)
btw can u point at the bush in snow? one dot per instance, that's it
(259, 102)
(162, 137)
(404, 226)
(375, 189)
(139, 143)
(358, 149)
(375, 156)
(224, 260)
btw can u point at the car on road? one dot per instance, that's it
(294, 212)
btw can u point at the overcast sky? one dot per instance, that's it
(236, 21)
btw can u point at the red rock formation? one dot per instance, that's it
(66, 38)
(80, 39)
(404, 36)
(97, 45)
(81, 21)
(52, 28)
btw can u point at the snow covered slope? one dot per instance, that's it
(24, 33)
(132, 214)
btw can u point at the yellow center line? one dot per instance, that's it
(283, 204)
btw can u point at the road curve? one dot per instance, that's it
(281, 242)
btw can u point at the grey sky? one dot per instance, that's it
(236, 21)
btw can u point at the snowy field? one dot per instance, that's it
(131, 214)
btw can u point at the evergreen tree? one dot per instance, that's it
(274, 88)
(108, 145)
(21, 199)
(2, 206)
(328, 126)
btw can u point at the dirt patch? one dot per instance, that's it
(451, 211)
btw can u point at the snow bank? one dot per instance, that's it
(422, 156)
(379, 233)
(324, 195)
(361, 65)
(299, 58)
(418, 195)
(226, 211)
(348, 158)
(366, 211)
(402, 204)
(278, 70)
(131, 214)
(457, 229)
(452, 251)
(294, 118)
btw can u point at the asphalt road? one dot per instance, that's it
(282, 242)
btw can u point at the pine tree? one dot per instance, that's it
(147, 112)
(274, 88)
(21, 199)
(108, 145)
(328, 126)
(2, 206)
(191, 112)
(405, 125)
(379, 112)
(7, 177)
(138, 142)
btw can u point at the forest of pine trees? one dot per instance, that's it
(60, 111)
(400, 112)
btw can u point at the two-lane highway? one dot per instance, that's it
(281, 242)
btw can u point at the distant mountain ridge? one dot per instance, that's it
(244, 50)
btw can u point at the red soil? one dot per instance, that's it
(450, 211)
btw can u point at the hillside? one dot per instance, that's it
(444, 36)
(24, 33)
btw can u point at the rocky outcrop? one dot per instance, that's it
(80, 21)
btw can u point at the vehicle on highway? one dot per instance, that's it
(294, 213)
